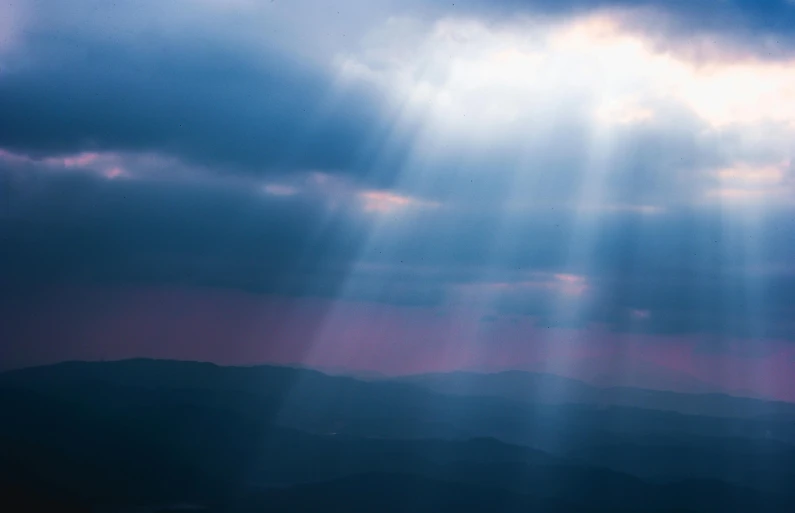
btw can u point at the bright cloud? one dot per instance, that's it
(746, 182)
(466, 69)
(465, 84)
(79, 160)
(754, 175)
(479, 85)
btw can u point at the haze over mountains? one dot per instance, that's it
(602, 374)
(647, 375)
(157, 434)
(553, 389)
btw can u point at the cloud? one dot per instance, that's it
(747, 26)
(386, 202)
(439, 104)
(561, 160)
(465, 72)
(668, 273)
(234, 111)
(648, 127)
(761, 184)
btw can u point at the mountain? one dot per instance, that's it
(550, 413)
(160, 435)
(648, 376)
(275, 381)
(553, 389)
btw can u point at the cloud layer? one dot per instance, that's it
(619, 164)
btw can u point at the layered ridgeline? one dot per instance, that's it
(161, 434)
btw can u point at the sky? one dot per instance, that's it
(602, 189)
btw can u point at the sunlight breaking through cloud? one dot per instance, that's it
(543, 174)
(463, 78)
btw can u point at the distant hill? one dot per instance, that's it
(648, 376)
(145, 433)
(553, 389)
(539, 388)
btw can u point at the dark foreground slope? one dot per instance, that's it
(152, 434)
(398, 493)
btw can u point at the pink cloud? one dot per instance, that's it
(78, 160)
(114, 172)
(385, 201)
(572, 284)
(382, 201)
(12, 157)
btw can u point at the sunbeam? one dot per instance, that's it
(397, 256)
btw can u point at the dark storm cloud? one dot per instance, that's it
(758, 14)
(199, 101)
(76, 228)
(669, 273)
